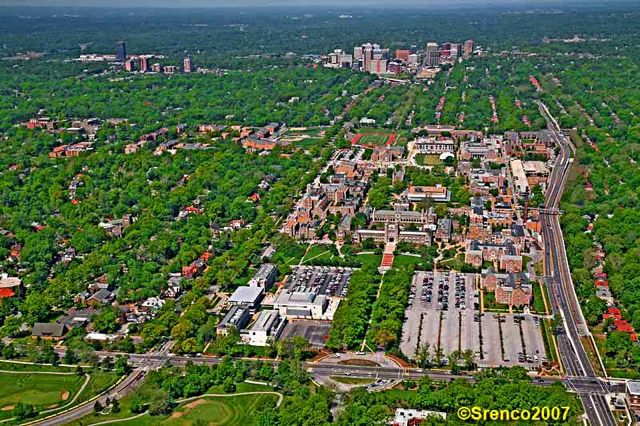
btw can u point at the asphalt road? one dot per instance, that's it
(581, 375)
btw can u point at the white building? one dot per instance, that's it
(302, 304)
(434, 146)
(405, 415)
(265, 329)
(248, 296)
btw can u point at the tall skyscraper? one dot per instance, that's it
(367, 56)
(432, 58)
(144, 64)
(455, 51)
(187, 64)
(121, 52)
(468, 48)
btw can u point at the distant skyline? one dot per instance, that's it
(340, 4)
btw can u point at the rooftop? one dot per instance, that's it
(245, 294)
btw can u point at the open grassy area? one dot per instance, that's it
(42, 390)
(370, 259)
(404, 261)
(538, 299)
(229, 409)
(317, 252)
(48, 387)
(453, 264)
(428, 159)
(547, 338)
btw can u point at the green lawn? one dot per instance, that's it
(538, 299)
(40, 390)
(370, 259)
(404, 261)
(236, 410)
(226, 410)
(317, 252)
(428, 159)
(226, 404)
(33, 385)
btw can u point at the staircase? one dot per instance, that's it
(387, 258)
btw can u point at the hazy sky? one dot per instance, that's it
(333, 3)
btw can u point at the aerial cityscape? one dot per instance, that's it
(245, 214)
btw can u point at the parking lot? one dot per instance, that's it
(444, 313)
(325, 280)
(315, 332)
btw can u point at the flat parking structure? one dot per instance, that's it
(491, 340)
(512, 340)
(324, 280)
(315, 332)
(442, 313)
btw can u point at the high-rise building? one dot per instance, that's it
(358, 52)
(456, 50)
(378, 66)
(367, 56)
(121, 52)
(130, 65)
(468, 48)
(144, 64)
(432, 58)
(187, 65)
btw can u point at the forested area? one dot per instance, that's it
(351, 319)
(387, 314)
(252, 97)
(503, 389)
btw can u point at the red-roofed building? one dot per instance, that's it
(602, 283)
(613, 313)
(6, 293)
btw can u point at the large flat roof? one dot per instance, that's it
(245, 294)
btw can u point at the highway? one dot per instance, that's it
(581, 376)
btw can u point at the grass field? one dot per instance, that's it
(538, 299)
(213, 409)
(375, 138)
(40, 390)
(370, 259)
(428, 159)
(225, 410)
(404, 261)
(38, 385)
(236, 410)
